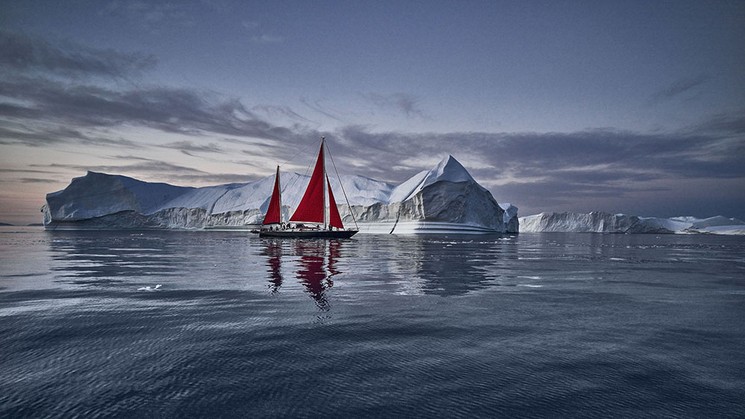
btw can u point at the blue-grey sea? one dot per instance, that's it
(224, 324)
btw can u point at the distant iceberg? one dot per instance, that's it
(602, 222)
(443, 199)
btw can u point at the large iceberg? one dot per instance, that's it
(444, 199)
(603, 222)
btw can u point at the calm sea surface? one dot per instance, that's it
(224, 324)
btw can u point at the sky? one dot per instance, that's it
(633, 107)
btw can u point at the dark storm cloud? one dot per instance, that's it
(28, 53)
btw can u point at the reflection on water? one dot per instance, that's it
(315, 260)
(273, 253)
(457, 266)
(96, 258)
(425, 265)
(444, 265)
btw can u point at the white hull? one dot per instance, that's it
(423, 227)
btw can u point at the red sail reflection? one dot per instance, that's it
(317, 265)
(273, 252)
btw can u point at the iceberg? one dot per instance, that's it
(603, 222)
(443, 199)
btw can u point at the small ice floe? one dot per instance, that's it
(149, 288)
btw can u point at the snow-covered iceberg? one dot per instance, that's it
(444, 199)
(603, 222)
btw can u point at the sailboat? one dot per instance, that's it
(316, 216)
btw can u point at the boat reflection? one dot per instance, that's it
(273, 252)
(316, 263)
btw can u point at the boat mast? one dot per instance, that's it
(279, 187)
(325, 192)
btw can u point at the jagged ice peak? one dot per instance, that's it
(450, 170)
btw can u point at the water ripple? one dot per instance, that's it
(381, 326)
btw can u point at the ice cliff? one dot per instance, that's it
(602, 222)
(443, 199)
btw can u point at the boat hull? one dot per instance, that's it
(308, 234)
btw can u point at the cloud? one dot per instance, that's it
(267, 39)
(154, 170)
(19, 52)
(31, 171)
(149, 169)
(404, 103)
(318, 106)
(724, 124)
(187, 147)
(37, 180)
(257, 37)
(151, 16)
(543, 169)
(46, 135)
(273, 112)
(251, 25)
(62, 93)
(145, 165)
(678, 88)
(171, 110)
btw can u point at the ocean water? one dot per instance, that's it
(224, 324)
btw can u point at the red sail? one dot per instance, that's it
(311, 206)
(274, 212)
(334, 217)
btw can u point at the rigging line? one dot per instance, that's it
(304, 150)
(295, 179)
(351, 210)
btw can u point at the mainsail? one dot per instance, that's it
(274, 212)
(311, 207)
